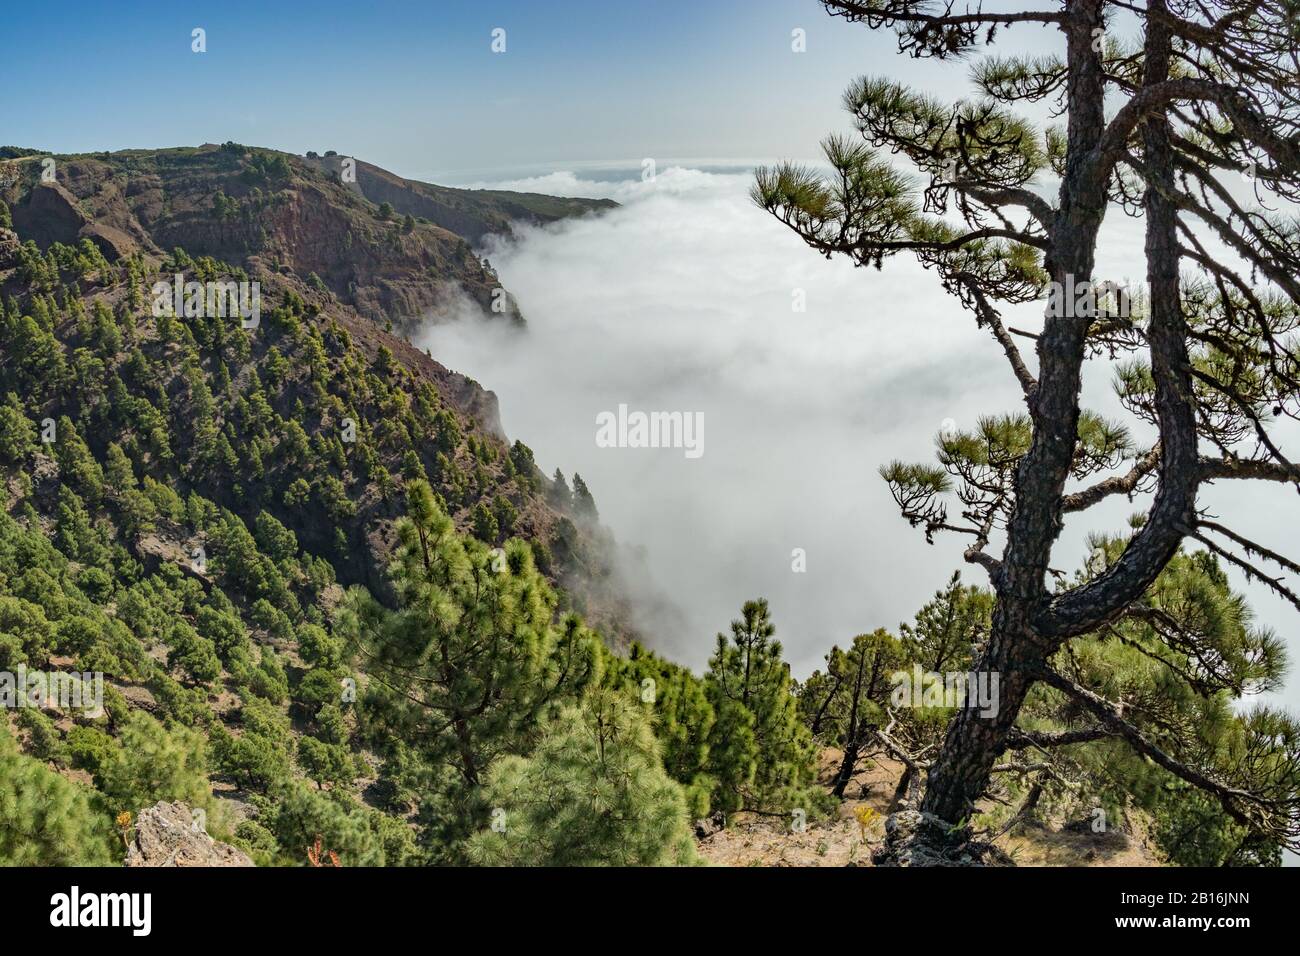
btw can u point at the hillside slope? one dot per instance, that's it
(184, 496)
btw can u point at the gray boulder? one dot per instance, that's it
(167, 834)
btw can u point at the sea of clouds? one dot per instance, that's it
(683, 300)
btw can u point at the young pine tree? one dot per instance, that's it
(592, 793)
(760, 752)
(680, 713)
(947, 629)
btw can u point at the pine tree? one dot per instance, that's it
(762, 753)
(681, 715)
(47, 820)
(560, 496)
(584, 505)
(470, 661)
(192, 653)
(118, 471)
(360, 836)
(592, 793)
(1160, 125)
(948, 628)
(326, 763)
(485, 524)
(17, 432)
(154, 763)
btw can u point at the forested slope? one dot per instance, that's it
(339, 616)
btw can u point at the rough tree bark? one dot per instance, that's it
(1015, 649)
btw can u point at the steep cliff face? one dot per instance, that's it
(236, 203)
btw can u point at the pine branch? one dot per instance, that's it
(1251, 468)
(1042, 739)
(1118, 485)
(1234, 801)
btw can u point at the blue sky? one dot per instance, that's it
(414, 86)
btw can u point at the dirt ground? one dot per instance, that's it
(858, 829)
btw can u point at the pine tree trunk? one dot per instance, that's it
(900, 791)
(974, 741)
(845, 774)
(1014, 651)
(852, 741)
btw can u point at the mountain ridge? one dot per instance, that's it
(394, 249)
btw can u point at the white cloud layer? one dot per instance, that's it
(682, 300)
